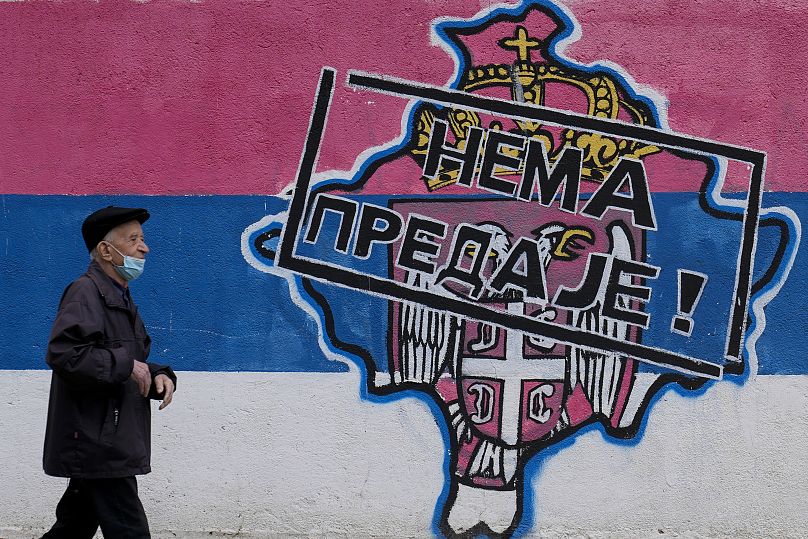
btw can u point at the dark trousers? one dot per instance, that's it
(112, 504)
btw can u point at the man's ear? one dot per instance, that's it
(103, 251)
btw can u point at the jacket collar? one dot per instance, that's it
(108, 289)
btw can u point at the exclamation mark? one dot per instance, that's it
(691, 285)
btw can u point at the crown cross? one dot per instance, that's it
(521, 43)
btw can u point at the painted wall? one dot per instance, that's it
(474, 354)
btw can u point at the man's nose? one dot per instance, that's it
(143, 248)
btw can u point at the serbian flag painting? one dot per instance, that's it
(446, 239)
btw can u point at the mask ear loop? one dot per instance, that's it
(116, 249)
(110, 244)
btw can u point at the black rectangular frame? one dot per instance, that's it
(393, 290)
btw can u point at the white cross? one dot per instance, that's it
(512, 371)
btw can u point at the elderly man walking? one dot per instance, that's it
(99, 414)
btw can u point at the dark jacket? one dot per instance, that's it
(99, 426)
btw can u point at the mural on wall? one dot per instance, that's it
(539, 253)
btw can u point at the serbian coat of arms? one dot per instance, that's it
(527, 253)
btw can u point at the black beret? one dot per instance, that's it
(96, 226)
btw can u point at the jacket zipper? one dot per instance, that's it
(115, 417)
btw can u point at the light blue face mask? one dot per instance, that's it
(132, 267)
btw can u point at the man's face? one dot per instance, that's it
(128, 239)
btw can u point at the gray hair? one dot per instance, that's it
(109, 237)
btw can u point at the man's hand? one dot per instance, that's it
(142, 376)
(165, 388)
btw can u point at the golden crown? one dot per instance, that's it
(532, 82)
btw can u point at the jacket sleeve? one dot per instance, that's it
(76, 350)
(156, 370)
